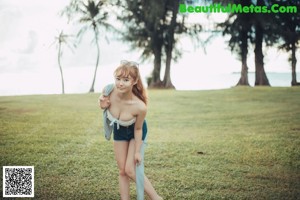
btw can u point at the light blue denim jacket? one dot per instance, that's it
(107, 124)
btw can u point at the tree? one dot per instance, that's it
(238, 26)
(257, 28)
(262, 30)
(93, 15)
(143, 30)
(169, 44)
(289, 30)
(153, 27)
(62, 39)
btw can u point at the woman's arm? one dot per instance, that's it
(138, 134)
(103, 101)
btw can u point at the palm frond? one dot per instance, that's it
(81, 32)
(85, 19)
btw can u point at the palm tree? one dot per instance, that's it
(62, 39)
(93, 15)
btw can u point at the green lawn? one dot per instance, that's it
(239, 143)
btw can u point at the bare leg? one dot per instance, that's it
(121, 149)
(130, 171)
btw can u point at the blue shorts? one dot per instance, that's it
(126, 133)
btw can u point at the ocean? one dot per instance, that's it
(80, 82)
(227, 80)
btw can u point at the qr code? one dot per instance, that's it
(18, 181)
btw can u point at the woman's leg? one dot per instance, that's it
(130, 171)
(121, 148)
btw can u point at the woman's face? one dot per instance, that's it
(124, 84)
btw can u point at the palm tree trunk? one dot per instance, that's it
(97, 61)
(294, 62)
(60, 68)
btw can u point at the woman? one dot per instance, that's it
(127, 107)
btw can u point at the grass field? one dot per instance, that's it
(239, 143)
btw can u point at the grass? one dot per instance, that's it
(239, 143)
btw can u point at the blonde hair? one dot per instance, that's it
(131, 69)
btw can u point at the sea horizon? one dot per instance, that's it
(13, 85)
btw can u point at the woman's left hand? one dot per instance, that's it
(103, 102)
(138, 158)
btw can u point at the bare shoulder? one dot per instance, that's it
(141, 106)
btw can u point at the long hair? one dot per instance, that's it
(130, 69)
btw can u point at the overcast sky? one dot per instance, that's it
(28, 30)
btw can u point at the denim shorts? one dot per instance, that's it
(126, 133)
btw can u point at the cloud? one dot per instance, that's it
(31, 43)
(27, 33)
(10, 18)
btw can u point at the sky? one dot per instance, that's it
(28, 55)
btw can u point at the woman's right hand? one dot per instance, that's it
(104, 102)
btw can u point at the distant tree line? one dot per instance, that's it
(156, 27)
(281, 30)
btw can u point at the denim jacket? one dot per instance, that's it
(108, 125)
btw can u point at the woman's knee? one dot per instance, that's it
(130, 172)
(122, 172)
